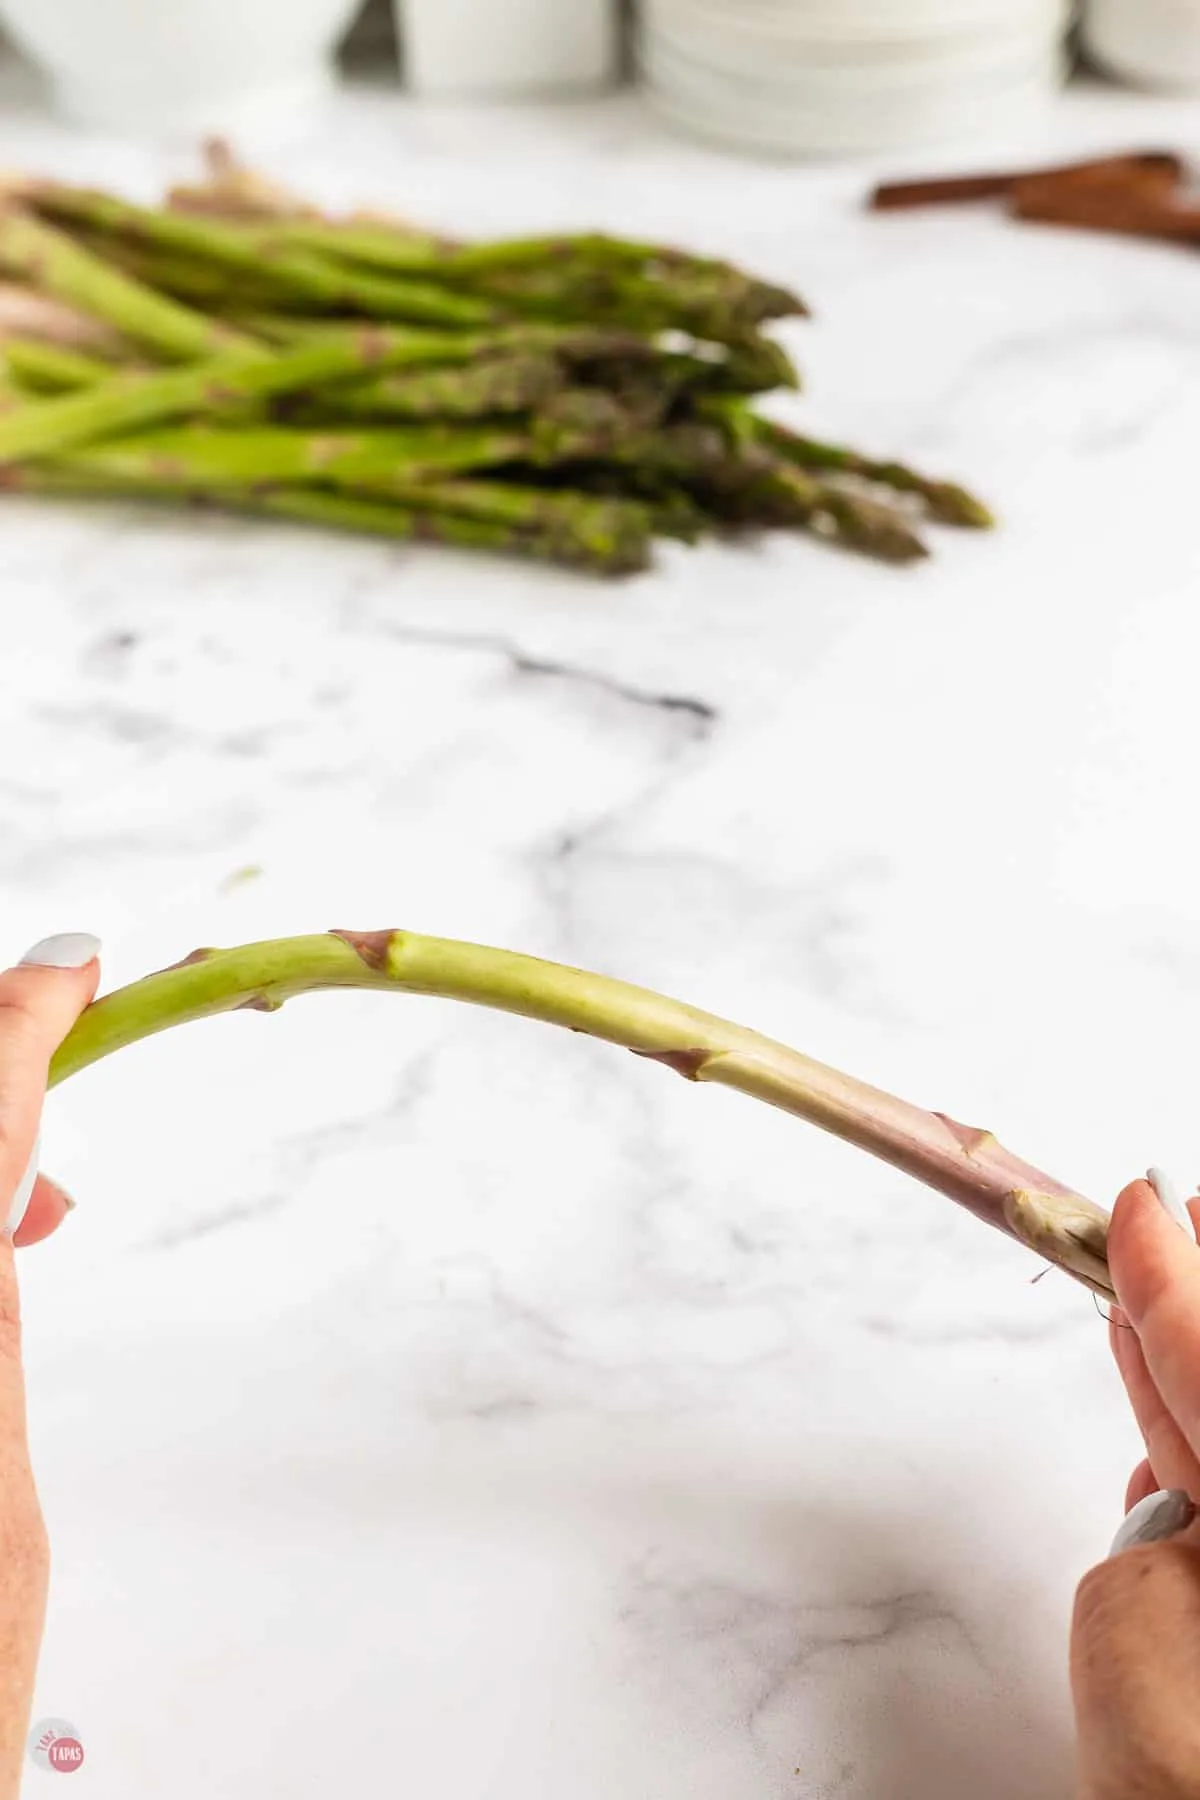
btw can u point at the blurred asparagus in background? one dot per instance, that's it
(565, 398)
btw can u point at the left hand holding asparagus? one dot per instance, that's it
(39, 1001)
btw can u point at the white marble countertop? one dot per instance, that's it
(425, 1403)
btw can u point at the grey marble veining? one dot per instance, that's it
(425, 1402)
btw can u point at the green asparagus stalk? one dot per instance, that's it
(406, 250)
(576, 345)
(647, 288)
(850, 520)
(57, 266)
(221, 386)
(944, 500)
(488, 387)
(541, 265)
(209, 287)
(309, 276)
(617, 552)
(194, 457)
(966, 1165)
(50, 368)
(725, 459)
(554, 543)
(408, 347)
(409, 468)
(617, 532)
(722, 309)
(780, 495)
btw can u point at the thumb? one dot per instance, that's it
(1135, 1673)
(40, 1000)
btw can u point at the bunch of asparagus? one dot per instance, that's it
(567, 399)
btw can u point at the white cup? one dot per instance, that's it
(181, 67)
(499, 47)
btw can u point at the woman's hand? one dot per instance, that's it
(39, 1002)
(1135, 1651)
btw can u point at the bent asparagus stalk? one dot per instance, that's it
(966, 1165)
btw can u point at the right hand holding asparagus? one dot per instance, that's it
(1135, 1650)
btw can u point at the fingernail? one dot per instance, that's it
(66, 950)
(1158, 1516)
(24, 1188)
(1169, 1200)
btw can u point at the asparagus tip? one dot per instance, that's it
(954, 505)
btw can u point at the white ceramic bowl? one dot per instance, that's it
(862, 131)
(851, 22)
(951, 65)
(1150, 43)
(827, 77)
(181, 67)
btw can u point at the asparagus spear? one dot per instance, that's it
(50, 368)
(209, 287)
(573, 262)
(191, 457)
(749, 492)
(588, 278)
(576, 345)
(581, 547)
(57, 266)
(970, 1167)
(221, 386)
(851, 520)
(554, 543)
(617, 531)
(489, 386)
(309, 276)
(944, 500)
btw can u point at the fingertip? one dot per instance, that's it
(1146, 1246)
(1134, 1194)
(48, 1207)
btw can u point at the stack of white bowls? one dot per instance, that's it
(829, 77)
(1151, 43)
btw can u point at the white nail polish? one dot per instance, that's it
(1158, 1516)
(24, 1190)
(67, 950)
(1168, 1195)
